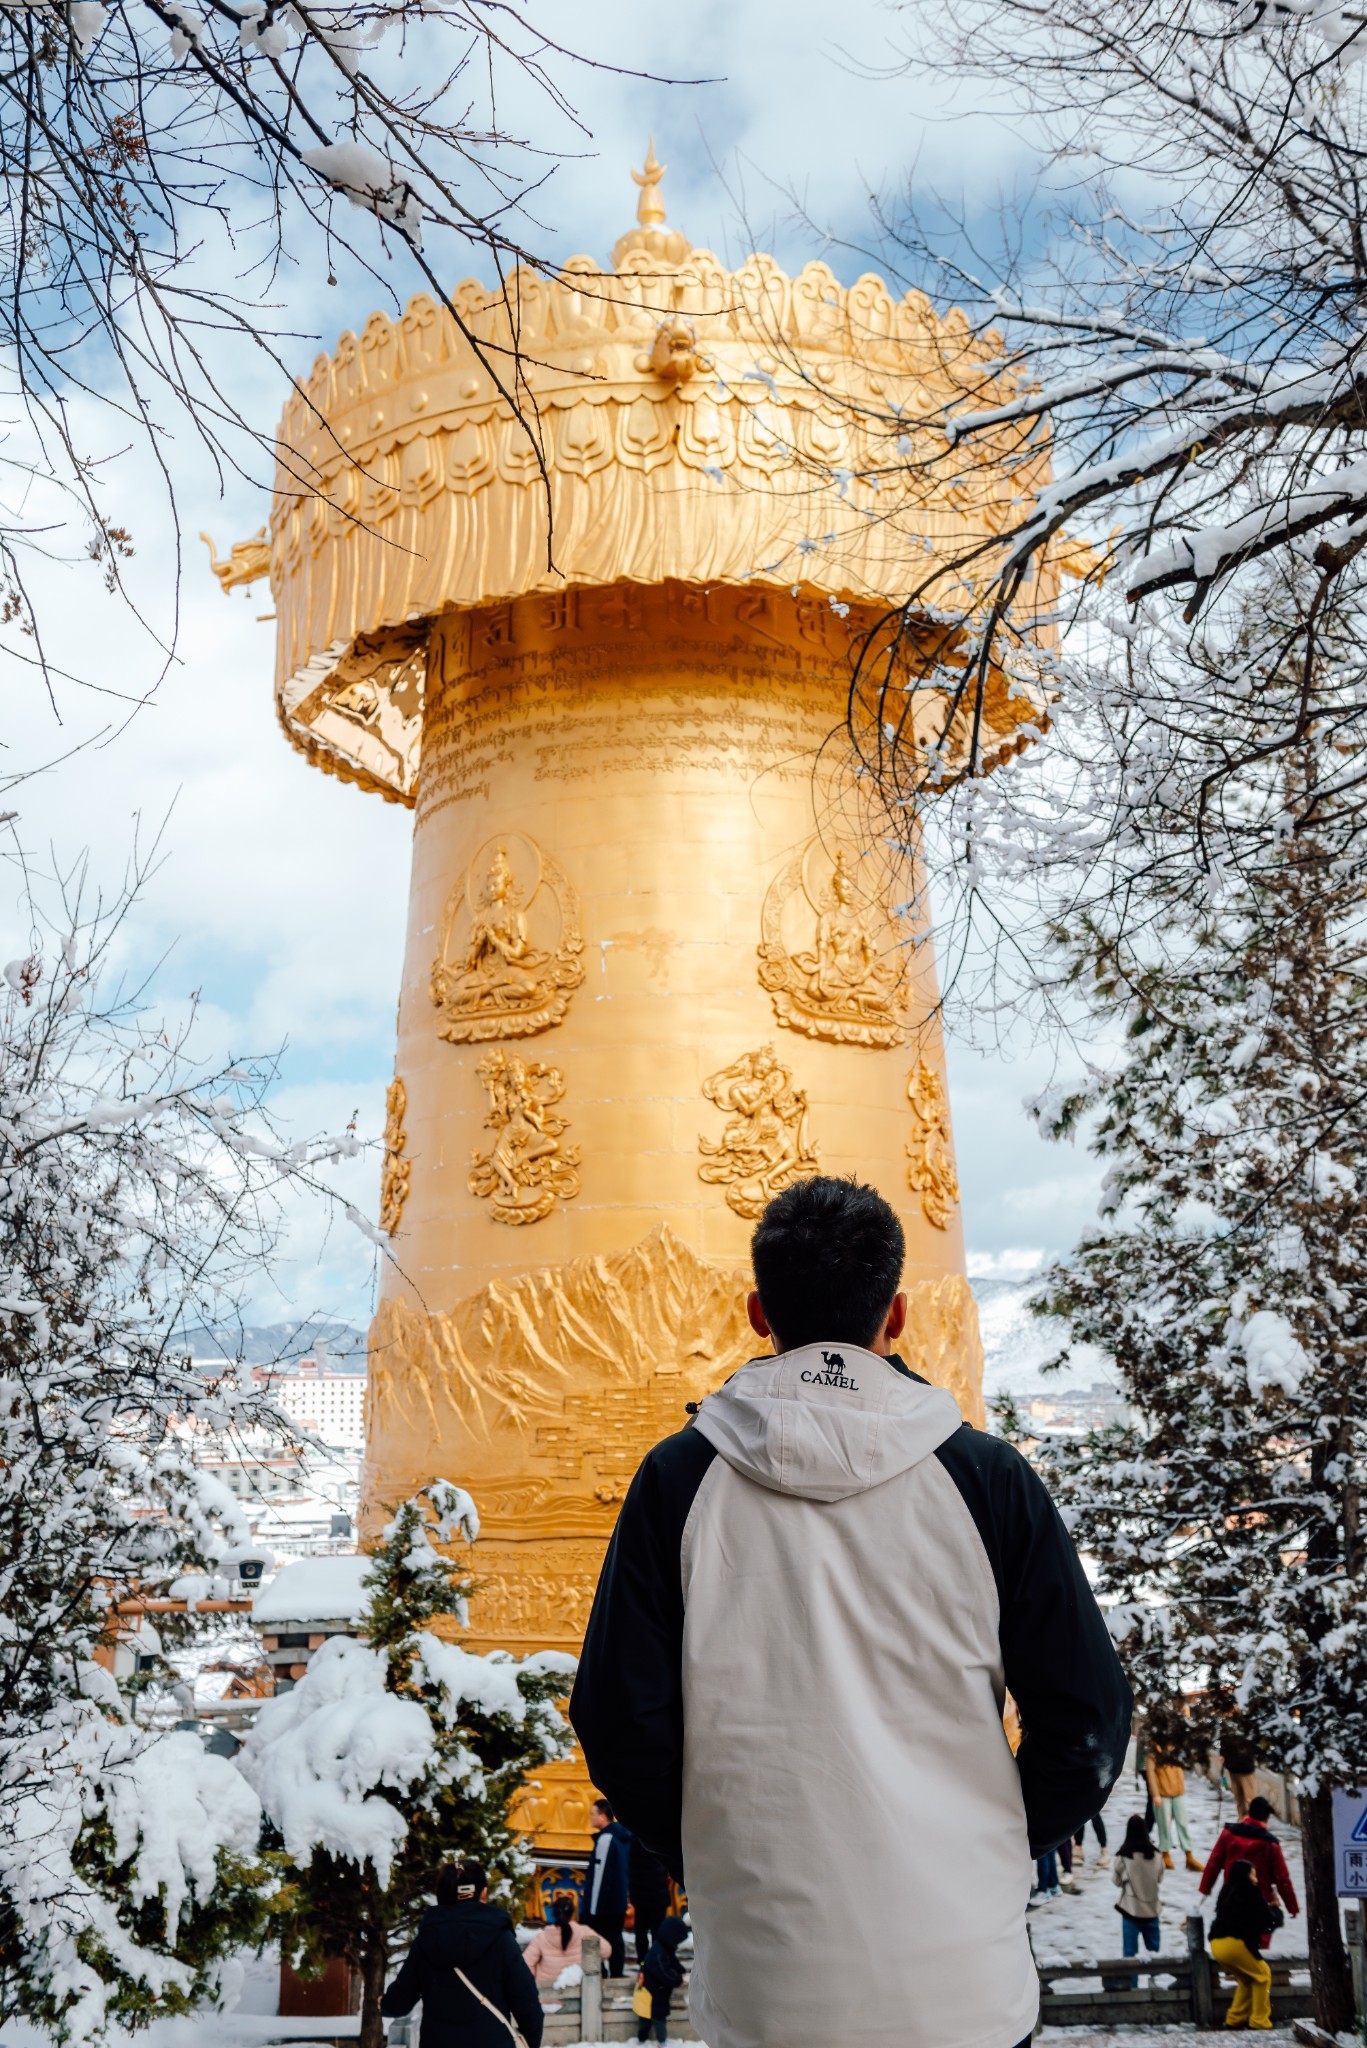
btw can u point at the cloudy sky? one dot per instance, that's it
(279, 899)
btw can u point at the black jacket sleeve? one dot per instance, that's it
(1060, 1663)
(403, 1994)
(520, 1993)
(627, 1703)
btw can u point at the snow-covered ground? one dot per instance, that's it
(1086, 1924)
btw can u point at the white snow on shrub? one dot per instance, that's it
(1273, 1354)
(570, 1978)
(319, 1754)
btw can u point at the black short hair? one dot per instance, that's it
(828, 1258)
(459, 1882)
(1260, 1808)
(603, 1806)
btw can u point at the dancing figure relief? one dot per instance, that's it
(931, 1173)
(765, 1146)
(527, 1169)
(496, 976)
(397, 1170)
(847, 986)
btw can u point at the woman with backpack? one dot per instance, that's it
(1138, 1871)
(1242, 1919)
(466, 1967)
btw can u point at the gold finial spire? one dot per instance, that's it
(650, 208)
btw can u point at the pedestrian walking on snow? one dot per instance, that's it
(1239, 1760)
(1098, 1825)
(1252, 1841)
(792, 1681)
(1138, 1870)
(467, 1969)
(661, 1975)
(606, 1891)
(1167, 1783)
(1241, 1930)
(560, 1946)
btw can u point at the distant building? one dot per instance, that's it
(1069, 1411)
(331, 1405)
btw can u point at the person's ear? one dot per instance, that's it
(897, 1318)
(758, 1321)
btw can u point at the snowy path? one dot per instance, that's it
(1073, 1928)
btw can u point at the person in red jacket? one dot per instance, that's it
(1252, 1841)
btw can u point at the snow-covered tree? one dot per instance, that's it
(397, 1752)
(136, 1199)
(177, 174)
(1172, 316)
(1226, 1283)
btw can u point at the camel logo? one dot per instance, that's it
(832, 1373)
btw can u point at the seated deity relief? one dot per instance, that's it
(526, 1170)
(842, 977)
(512, 951)
(765, 1146)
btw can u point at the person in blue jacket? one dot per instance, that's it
(607, 1885)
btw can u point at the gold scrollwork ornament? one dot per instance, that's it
(527, 1169)
(765, 1146)
(512, 951)
(397, 1170)
(931, 1173)
(848, 987)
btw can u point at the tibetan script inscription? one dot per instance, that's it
(765, 1146)
(512, 952)
(527, 1169)
(847, 985)
(931, 1173)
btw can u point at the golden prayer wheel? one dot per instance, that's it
(659, 963)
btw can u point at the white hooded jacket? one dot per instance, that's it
(809, 1719)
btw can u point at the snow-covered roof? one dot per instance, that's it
(313, 1589)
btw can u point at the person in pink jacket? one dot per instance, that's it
(559, 1945)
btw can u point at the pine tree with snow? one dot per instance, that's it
(1227, 1284)
(136, 1195)
(396, 1753)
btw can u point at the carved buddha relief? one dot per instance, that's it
(527, 1169)
(930, 1172)
(834, 964)
(512, 952)
(765, 1147)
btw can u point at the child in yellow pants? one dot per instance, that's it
(1252, 2006)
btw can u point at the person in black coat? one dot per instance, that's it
(606, 1888)
(464, 1933)
(662, 1974)
(648, 1884)
(1242, 1923)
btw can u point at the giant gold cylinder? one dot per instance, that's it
(660, 959)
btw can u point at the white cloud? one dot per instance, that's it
(281, 898)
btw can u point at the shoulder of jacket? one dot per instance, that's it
(990, 1456)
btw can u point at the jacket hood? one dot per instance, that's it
(826, 1421)
(466, 1931)
(671, 1931)
(1251, 1830)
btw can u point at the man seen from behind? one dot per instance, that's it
(792, 1684)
